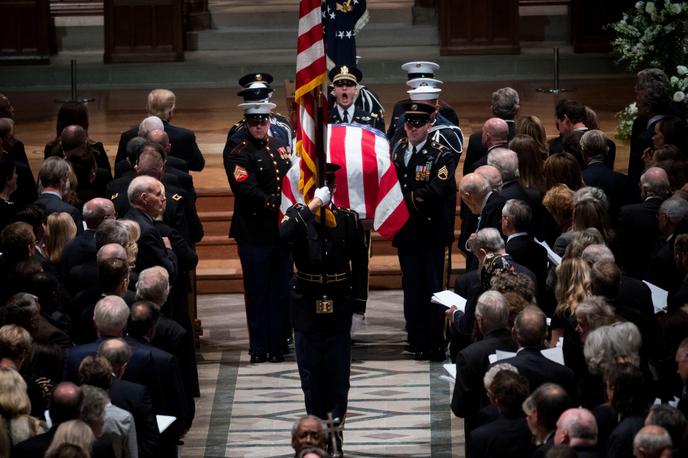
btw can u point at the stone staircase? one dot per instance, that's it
(219, 269)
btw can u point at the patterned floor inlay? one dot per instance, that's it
(397, 406)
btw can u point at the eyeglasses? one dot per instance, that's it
(253, 122)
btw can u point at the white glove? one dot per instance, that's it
(323, 194)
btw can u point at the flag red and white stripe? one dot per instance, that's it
(311, 71)
(367, 181)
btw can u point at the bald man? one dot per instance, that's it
(637, 226)
(82, 248)
(577, 428)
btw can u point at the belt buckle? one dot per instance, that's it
(324, 305)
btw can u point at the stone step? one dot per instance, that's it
(284, 36)
(223, 68)
(220, 276)
(287, 15)
(218, 247)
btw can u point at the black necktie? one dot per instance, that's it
(345, 118)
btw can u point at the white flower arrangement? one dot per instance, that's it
(646, 32)
(625, 118)
(679, 84)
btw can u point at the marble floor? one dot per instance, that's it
(397, 406)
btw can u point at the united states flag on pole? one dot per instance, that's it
(311, 71)
(367, 181)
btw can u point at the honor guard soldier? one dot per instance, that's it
(255, 169)
(425, 170)
(332, 269)
(256, 89)
(366, 100)
(420, 73)
(345, 80)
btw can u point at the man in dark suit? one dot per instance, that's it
(129, 396)
(543, 408)
(82, 248)
(153, 286)
(113, 280)
(577, 429)
(180, 209)
(671, 218)
(110, 316)
(571, 117)
(637, 227)
(506, 162)
(614, 184)
(505, 105)
(508, 435)
(147, 199)
(492, 316)
(141, 328)
(516, 226)
(476, 193)
(345, 80)
(161, 103)
(530, 330)
(653, 98)
(54, 177)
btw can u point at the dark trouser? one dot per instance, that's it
(267, 271)
(324, 363)
(422, 270)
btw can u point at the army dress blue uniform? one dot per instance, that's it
(255, 169)
(332, 271)
(428, 185)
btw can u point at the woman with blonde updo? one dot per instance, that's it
(15, 407)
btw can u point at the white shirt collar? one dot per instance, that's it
(485, 200)
(350, 112)
(514, 235)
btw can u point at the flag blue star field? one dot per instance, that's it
(342, 20)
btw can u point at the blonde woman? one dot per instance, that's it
(15, 407)
(134, 235)
(61, 229)
(73, 432)
(572, 287)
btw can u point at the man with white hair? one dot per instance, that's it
(637, 226)
(652, 441)
(661, 270)
(491, 316)
(482, 202)
(153, 285)
(147, 204)
(161, 104)
(505, 105)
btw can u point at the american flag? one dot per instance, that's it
(311, 72)
(342, 20)
(367, 181)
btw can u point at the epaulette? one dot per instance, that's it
(240, 147)
(401, 141)
(438, 146)
(373, 115)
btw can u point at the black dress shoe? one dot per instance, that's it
(258, 358)
(421, 356)
(275, 358)
(437, 356)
